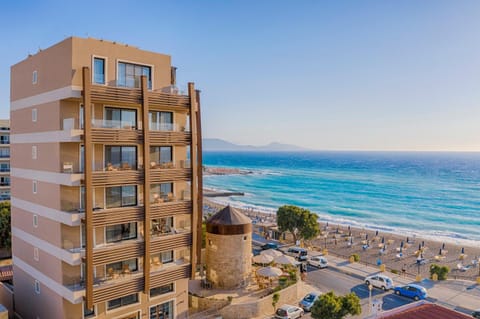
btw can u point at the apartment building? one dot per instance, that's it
(106, 171)
(4, 160)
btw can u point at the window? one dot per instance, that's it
(129, 75)
(98, 70)
(37, 287)
(5, 181)
(34, 77)
(120, 157)
(121, 232)
(4, 152)
(88, 313)
(124, 266)
(162, 226)
(34, 187)
(165, 289)
(120, 118)
(35, 221)
(34, 152)
(162, 311)
(81, 117)
(161, 154)
(83, 235)
(160, 121)
(35, 253)
(82, 158)
(4, 139)
(123, 301)
(161, 193)
(34, 115)
(120, 196)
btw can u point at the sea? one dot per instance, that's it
(433, 195)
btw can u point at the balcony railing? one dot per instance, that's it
(170, 165)
(114, 124)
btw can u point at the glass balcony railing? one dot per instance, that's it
(159, 198)
(115, 124)
(169, 165)
(156, 263)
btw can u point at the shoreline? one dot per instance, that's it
(335, 238)
(344, 222)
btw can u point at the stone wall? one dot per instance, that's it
(228, 259)
(262, 307)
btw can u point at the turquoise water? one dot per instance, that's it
(429, 194)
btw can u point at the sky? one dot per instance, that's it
(325, 75)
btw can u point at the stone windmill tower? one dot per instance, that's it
(228, 248)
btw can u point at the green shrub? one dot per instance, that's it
(441, 271)
(356, 257)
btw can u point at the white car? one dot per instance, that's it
(318, 261)
(288, 312)
(380, 281)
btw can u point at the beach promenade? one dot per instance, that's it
(460, 295)
(414, 255)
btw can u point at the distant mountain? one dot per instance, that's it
(216, 144)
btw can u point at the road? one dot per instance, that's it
(328, 279)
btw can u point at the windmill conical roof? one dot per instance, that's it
(229, 216)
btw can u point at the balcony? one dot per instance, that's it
(109, 131)
(175, 241)
(165, 275)
(172, 208)
(133, 97)
(117, 175)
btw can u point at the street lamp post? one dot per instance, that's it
(370, 287)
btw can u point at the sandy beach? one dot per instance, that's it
(375, 247)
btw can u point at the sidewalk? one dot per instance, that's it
(459, 295)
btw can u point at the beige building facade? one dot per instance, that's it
(106, 157)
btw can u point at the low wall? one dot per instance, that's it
(263, 306)
(203, 303)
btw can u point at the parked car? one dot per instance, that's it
(318, 261)
(270, 246)
(300, 254)
(307, 302)
(379, 281)
(476, 314)
(413, 291)
(289, 312)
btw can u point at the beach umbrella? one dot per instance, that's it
(285, 260)
(271, 252)
(463, 250)
(269, 272)
(263, 259)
